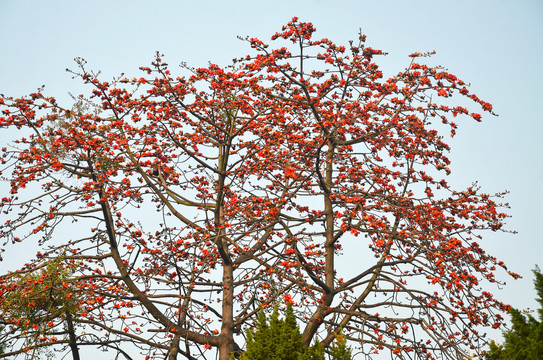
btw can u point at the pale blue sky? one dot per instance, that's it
(497, 46)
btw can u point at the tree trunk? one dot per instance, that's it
(174, 349)
(227, 334)
(71, 334)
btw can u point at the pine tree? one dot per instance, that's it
(340, 350)
(525, 340)
(280, 339)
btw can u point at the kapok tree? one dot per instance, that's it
(190, 202)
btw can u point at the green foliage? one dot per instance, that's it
(38, 304)
(280, 339)
(525, 340)
(37, 297)
(340, 350)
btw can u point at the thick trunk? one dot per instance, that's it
(317, 318)
(174, 349)
(226, 342)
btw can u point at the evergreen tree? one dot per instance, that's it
(280, 339)
(525, 340)
(340, 350)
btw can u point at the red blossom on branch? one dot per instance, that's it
(298, 175)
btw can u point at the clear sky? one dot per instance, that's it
(496, 45)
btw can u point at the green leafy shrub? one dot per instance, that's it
(280, 339)
(525, 340)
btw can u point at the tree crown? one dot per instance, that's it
(261, 174)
